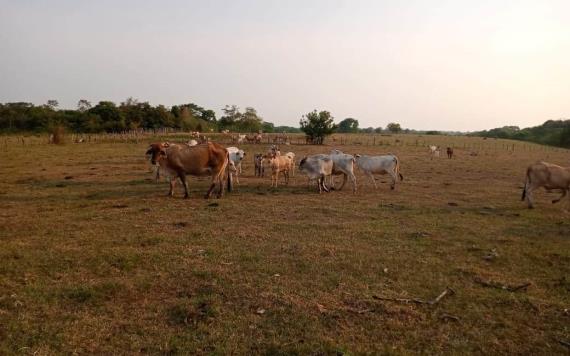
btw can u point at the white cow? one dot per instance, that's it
(388, 164)
(241, 138)
(192, 143)
(236, 156)
(343, 164)
(434, 151)
(317, 167)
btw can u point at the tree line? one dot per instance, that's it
(552, 132)
(106, 116)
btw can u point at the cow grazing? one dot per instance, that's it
(209, 159)
(547, 175)
(277, 164)
(434, 151)
(258, 164)
(449, 152)
(388, 164)
(236, 156)
(343, 164)
(317, 167)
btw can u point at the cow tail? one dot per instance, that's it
(526, 183)
(397, 168)
(229, 173)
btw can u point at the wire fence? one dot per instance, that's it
(167, 134)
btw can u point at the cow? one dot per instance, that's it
(317, 167)
(291, 156)
(547, 175)
(371, 165)
(434, 151)
(274, 150)
(236, 156)
(449, 152)
(209, 159)
(258, 163)
(240, 138)
(192, 142)
(277, 164)
(343, 164)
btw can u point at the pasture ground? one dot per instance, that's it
(96, 259)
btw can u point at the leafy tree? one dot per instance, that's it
(112, 118)
(368, 130)
(268, 127)
(348, 125)
(83, 105)
(565, 136)
(231, 116)
(378, 130)
(52, 104)
(249, 121)
(394, 127)
(317, 125)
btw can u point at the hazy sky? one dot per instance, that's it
(451, 65)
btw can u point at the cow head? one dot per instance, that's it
(157, 151)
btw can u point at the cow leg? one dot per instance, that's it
(209, 192)
(353, 179)
(394, 178)
(182, 177)
(344, 179)
(323, 186)
(220, 180)
(561, 197)
(373, 180)
(529, 191)
(172, 184)
(157, 176)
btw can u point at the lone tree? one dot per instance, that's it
(394, 127)
(348, 125)
(317, 125)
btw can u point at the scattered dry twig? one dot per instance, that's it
(501, 286)
(416, 300)
(565, 343)
(446, 316)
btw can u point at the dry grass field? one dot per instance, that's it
(95, 259)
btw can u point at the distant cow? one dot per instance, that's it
(343, 164)
(258, 163)
(277, 164)
(449, 152)
(547, 175)
(236, 156)
(192, 142)
(371, 165)
(434, 151)
(209, 159)
(317, 167)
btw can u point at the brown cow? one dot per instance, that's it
(449, 152)
(547, 175)
(209, 159)
(277, 164)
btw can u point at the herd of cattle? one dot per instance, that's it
(224, 165)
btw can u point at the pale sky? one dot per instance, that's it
(445, 65)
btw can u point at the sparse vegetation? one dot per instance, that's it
(96, 260)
